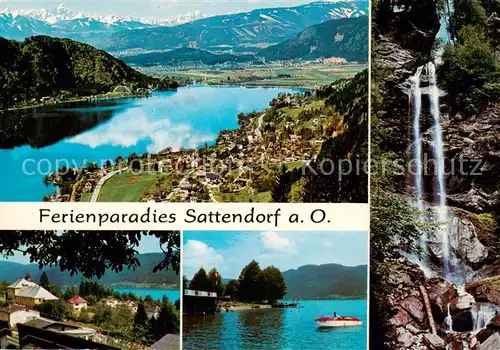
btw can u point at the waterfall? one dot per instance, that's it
(438, 149)
(448, 321)
(416, 97)
(482, 314)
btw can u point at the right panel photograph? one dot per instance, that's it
(435, 199)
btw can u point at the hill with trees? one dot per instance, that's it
(45, 66)
(344, 38)
(185, 56)
(328, 281)
(141, 275)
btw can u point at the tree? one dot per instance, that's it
(59, 310)
(44, 281)
(467, 12)
(279, 193)
(200, 281)
(140, 327)
(297, 191)
(470, 72)
(249, 282)
(106, 249)
(167, 321)
(231, 289)
(272, 284)
(216, 283)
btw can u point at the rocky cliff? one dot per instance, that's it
(455, 317)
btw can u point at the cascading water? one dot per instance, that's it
(416, 99)
(448, 321)
(438, 149)
(482, 314)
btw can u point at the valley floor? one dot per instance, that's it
(307, 75)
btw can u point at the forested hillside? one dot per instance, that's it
(45, 66)
(329, 281)
(346, 38)
(339, 169)
(184, 56)
(143, 274)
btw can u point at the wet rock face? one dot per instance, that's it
(465, 242)
(434, 342)
(474, 143)
(403, 42)
(441, 293)
(462, 321)
(461, 303)
(492, 343)
(488, 292)
(492, 328)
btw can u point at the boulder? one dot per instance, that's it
(434, 342)
(463, 321)
(415, 308)
(441, 293)
(462, 302)
(492, 343)
(466, 243)
(405, 338)
(488, 293)
(402, 318)
(492, 328)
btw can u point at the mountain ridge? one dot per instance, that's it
(326, 281)
(10, 271)
(343, 38)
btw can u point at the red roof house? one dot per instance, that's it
(78, 303)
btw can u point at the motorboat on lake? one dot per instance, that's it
(338, 321)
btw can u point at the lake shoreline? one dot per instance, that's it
(277, 329)
(89, 125)
(105, 97)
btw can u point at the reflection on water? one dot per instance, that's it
(75, 134)
(277, 328)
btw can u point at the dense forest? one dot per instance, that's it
(44, 66)
(338, 173)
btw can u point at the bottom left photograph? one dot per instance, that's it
(90, 289)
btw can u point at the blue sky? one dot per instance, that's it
(230, 251)
(149, 244)
(153, 8)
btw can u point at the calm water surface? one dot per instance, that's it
(172, 294)
(277, 328)
(31, 141)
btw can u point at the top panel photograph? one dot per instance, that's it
(184, 101)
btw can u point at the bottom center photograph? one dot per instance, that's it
(274, 289)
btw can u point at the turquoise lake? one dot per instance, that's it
(34, 142)
(278, 328)
(172, 294)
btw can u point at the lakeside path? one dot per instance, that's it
(101, 182)
(257, 131)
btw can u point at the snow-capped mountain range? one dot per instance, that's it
(62, 13)
(257, 28)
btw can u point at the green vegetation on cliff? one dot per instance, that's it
(470, 72)
(43, 66)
